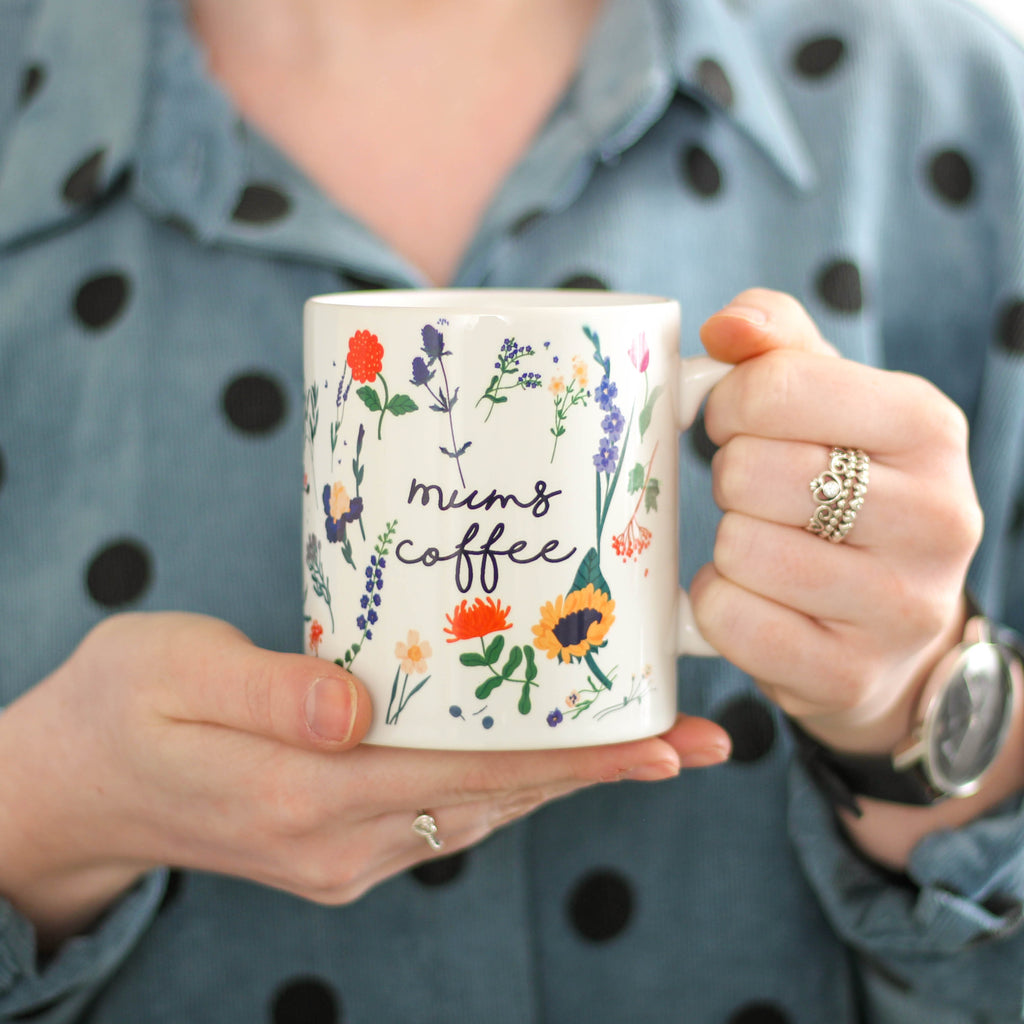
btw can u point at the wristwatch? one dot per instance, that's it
(962, 720)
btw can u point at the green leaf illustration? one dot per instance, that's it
(515, 658)
(473, 660)
(524, 701)
(590, 572)
(636, 478)
(531, 664)
(484, 690)
(651, 495)
(400, 405)
(494, 649)
(369, 398)
(648, 410)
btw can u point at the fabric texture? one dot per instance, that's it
(155, 254)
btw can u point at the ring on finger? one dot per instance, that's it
(839, 492)
(425, 825)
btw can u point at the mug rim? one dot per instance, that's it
(488, 300)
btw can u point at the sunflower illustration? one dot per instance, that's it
(574, 625)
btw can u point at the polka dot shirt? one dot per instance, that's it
(155, 253)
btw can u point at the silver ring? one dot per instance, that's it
(426, 826)
(839, 492)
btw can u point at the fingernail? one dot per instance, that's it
(751, 314)
(704, 758)
(330, 709)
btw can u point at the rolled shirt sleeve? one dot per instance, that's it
(55, 990)
(942, 943)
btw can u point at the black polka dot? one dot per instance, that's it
(584, 282)
(260, 204)
(306, 1001)
(32, 80)
(1010, 327)
(951, 176)
(102, 299)
(82, 185)
(759, 1013)
(818, 57)
(700, 443)
(839, 286)
(440, 871)
(715, 82)
(700, 171)
(750, 726)
(254, 402)
(118, 574)
(601, 905)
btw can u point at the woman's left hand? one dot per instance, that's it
(839, 635)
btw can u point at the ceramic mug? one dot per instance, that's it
(489, 518)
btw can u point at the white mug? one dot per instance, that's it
(490, 536)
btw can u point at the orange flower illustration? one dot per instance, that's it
(316, 636)
(365, 356)
(579, 371)
(413, 653)
(477, 619)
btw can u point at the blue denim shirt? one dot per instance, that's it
(155, 253)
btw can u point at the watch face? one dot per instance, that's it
(970, 720)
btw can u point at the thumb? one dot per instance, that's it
(218, 676)
(757, 321)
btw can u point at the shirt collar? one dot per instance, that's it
(720, 61)
(75, 135)
(143, 104)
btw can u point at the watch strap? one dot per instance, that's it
(845, 776)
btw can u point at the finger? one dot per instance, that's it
(803, 666)
(799, 396)
(396, 847)
(395, 779)
(346, 859)
(771, 481)
(217, 676)
(831, 583)
(461, 825)
(758, 321)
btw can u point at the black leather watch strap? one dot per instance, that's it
(843, 777)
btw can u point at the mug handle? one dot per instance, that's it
(697, 376)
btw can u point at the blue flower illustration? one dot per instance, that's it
(433, 342)
(421, 373)
(614, 423)
(605, 393)
(444, 399)
(370, 601)
(607, 456)
(339, 510)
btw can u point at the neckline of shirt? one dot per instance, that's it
(147, 106)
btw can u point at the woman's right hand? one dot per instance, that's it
(170, 739)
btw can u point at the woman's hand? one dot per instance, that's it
(171, 739)
(840, 636)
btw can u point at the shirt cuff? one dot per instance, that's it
(81, 964)
(948, 931)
